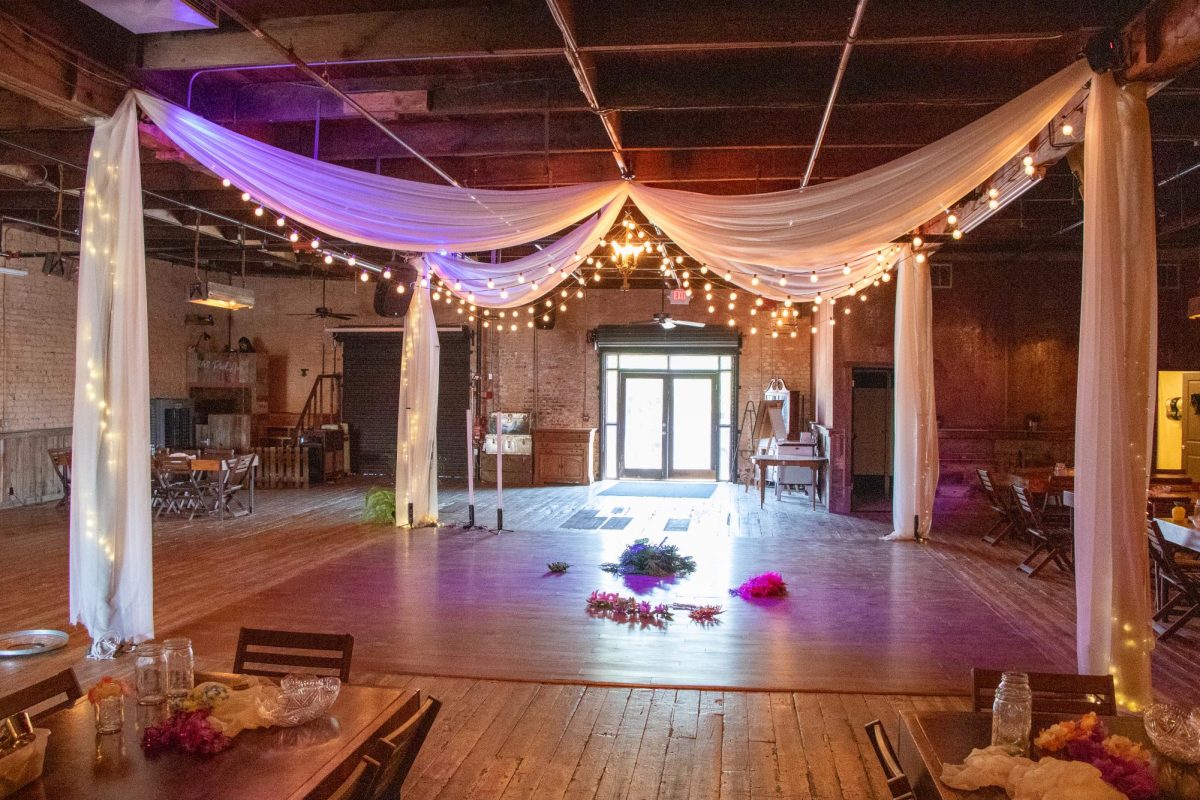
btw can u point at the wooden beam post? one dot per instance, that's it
(1162, 42)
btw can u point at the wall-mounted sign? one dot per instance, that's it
(679, 297)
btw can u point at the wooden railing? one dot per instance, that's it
(323, 406)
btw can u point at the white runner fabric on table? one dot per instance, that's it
(1114, 408)
(111, 576)
(416, 426)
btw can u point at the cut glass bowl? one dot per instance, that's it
(299, 699)
(1174, 731)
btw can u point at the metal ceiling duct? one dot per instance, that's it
(158, 16)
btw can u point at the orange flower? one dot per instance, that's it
(108, 686)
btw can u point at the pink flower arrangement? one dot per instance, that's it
(626, 609)
(768, 584)
(1123, 764)
(186, 731)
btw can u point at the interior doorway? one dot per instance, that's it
(1190, 409)
(872, 410)
(667, 415)
(667, 425)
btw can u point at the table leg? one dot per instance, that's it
(253, 480)
(762, 484)
(221, 493)
(816, 482)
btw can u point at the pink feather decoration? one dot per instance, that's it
(768, 584)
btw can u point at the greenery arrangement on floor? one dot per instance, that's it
(657, 560)
(558, 567)
(380, 506)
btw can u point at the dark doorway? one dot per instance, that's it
(371, 391)
(871, 439)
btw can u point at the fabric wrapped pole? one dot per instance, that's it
(416, 427)
(915, 452)
(1114, 410)
(111, 578)
(375, 209)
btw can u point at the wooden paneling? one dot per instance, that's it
(26, 474)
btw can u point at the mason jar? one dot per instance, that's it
(110, 714)
(1012, 713)
(179, 669)
(150, 673)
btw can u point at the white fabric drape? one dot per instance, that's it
(111, 581)
(915, 451)
(782, 238)
(1114, 415)
(516, 283)
(375, 209)
(416, 427)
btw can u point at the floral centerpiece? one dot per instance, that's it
(657, 560)
(1123, 763)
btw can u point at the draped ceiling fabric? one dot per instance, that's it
(1114, 418)
(777, 235)
(915, 451)
(111, 580)
(416, 426)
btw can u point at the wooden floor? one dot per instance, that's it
(895, 624)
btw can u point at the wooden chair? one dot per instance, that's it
(897, 781)
(1177, 586)
(60, 458)
(274, 654)
(36, 695)
(358, 785)
(174, 489)
(1051, 544)
(1005, 521)
(398, 750)
(1053, 693)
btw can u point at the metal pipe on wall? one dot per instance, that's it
(847, 48)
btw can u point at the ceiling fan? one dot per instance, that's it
(667, 322)
(323, 311)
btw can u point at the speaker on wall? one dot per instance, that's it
(388, 301)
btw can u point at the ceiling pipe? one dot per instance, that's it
(847, 48)
(303, 66)
(575, 59)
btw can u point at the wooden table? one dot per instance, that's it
(1181, 534)
(221, 467)
(308, 761)
(816, 463)
(930, 739)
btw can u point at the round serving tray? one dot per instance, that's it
(32, 642)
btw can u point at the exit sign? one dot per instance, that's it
(679, 297)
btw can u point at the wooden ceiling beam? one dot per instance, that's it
(63, 81)
(1163, 41)
(410, 34)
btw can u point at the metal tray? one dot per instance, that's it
(31, 642)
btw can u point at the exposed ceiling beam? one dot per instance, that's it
(1163, 41)
(60, 80)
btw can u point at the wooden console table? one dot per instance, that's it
(816, 463)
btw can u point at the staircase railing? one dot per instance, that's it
(324, 404)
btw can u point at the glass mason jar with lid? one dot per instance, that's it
(1012, 714)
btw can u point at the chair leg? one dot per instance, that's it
(1004, 524)
(1169, 631)
(1029, 567)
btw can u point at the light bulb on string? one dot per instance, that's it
(885, 277)
(363, 276)
(245, 197)
(731, 322)
(952, 219)
(259, 211)
(711, 309)
(293, 237)
(758, 301)
(1067, 128)
(920, 258)
(491, 284)
(226, 182)
(520, 277)
(315, 243)
(845, 269)
(956, 233)
(782, 280)
(813, 329)
(917, 241)
(993, 204)
(399, 288)
(754, 280)
(733, 295)
(387, 273)
(280, 222)
(328, 258)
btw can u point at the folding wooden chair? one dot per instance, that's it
(1005, 522)
(1177, 586)
(61, 684)
(897, 781)
(274, 654)
(1053, 693)
(60, 458)
(398, 750)
(1051, 544)
(358, 786)
(175, 489)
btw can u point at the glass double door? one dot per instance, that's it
(668, 425)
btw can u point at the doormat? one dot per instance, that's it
(616, 523)
(677, 525)
(660, 489)
(584, 520)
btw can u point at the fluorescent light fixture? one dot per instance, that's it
(220, 295)
(16, 273)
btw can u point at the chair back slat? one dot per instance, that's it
(36, 696)
(270, 652)
(897, 781)
(358, 786)
(1053, 693)
(398, 750)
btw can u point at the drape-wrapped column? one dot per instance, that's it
(1114, 415)
(416, 428)
(915, 452)
(111, 581)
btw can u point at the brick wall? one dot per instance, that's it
(555, 374)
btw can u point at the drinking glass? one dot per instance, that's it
(110, 714)
(179, 666)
